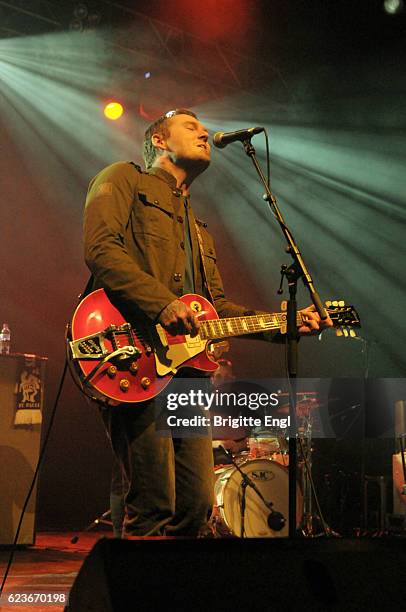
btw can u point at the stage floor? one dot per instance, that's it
(50, 566)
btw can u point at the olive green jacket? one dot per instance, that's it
(134, 235)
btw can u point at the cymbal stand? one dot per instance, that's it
(309, 519)
(402, 455)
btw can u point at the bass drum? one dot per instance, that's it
(272, 480)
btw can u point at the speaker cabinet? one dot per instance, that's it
(258, 574)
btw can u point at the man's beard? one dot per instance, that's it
(192, 166)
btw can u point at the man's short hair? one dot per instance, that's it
(160, 126)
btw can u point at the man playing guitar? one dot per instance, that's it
(146, 249)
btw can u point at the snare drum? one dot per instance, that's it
(272, 480)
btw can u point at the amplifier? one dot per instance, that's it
(21, 403)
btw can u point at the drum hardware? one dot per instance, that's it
(307, 526)
(276, 521)
(402, 438)
(306, 405)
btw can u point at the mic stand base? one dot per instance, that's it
(309, 530)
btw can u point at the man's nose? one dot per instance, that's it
(204, 135)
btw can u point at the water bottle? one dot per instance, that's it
(5, 336)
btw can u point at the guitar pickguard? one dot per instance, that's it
(170, 356)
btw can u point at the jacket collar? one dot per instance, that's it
(164, 176)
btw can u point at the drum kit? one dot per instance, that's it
(251, 492)
(251, 487)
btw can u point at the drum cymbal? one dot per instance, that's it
(304, 405)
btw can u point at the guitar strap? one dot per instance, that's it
(205, 281)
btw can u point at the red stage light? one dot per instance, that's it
(215, 20)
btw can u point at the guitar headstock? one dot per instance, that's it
(345, 318)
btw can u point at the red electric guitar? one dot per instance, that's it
(116, 362)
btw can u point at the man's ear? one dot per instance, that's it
(158, 141)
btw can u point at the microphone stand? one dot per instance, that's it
(248, 482)
(242, 505)
(296, 270)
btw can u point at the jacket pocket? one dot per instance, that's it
(153, 216)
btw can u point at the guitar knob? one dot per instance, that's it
(133, 367)
(124, 384)
(145, 382)
(111, 371)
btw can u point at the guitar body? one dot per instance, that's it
(142, 376)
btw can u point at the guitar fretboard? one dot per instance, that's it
(238, 326)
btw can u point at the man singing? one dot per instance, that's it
(144, 246)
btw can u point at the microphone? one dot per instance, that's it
(222, 139)
(276, 521)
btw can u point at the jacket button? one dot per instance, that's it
(180, 219)
(177, 276)
(182, 245)
(156, 201)
(176, 192)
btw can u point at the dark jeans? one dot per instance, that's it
(170, 481)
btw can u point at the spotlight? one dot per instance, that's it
(113, 110)
(147, 75)
(80, 11)
(393, 7)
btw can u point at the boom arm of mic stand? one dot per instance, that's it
(292, 248)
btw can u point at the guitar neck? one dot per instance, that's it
(238, 326)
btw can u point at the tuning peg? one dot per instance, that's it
(339, 332)
(284, 306)
(341, 303)
(353, 333)
(328, 303)
(335, 303)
